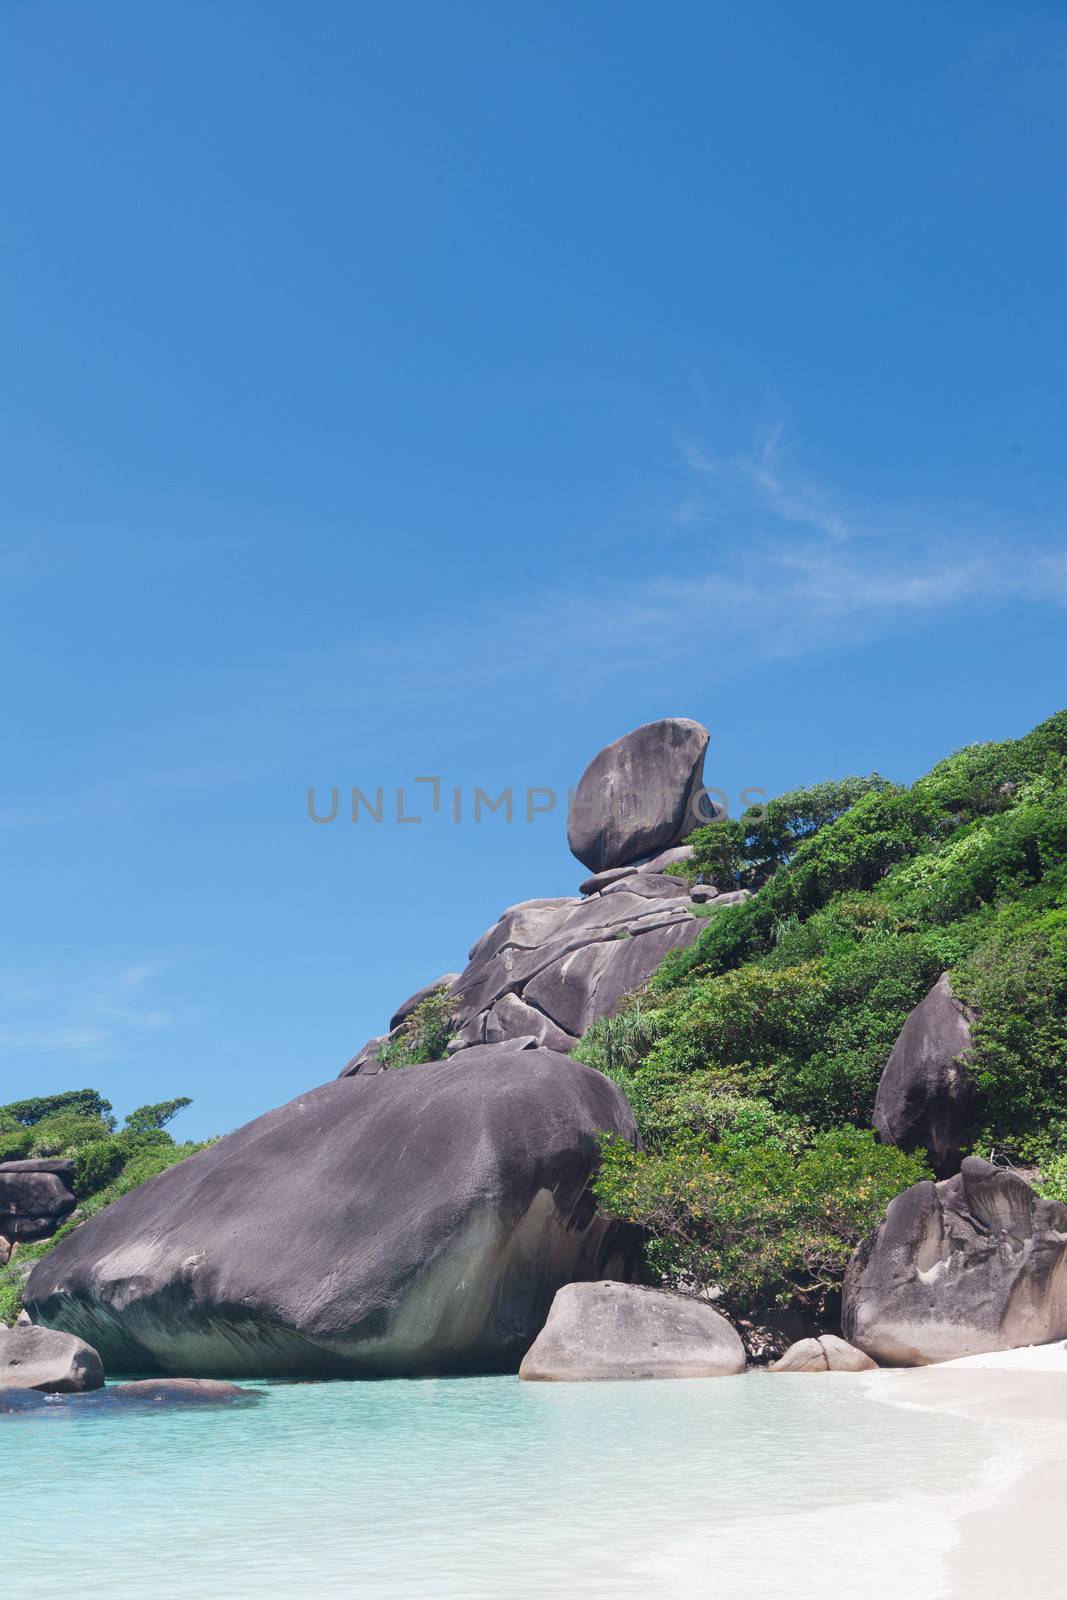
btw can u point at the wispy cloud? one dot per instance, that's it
(766, 474)
(88, 1012)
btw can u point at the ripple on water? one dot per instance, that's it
(755, 1486)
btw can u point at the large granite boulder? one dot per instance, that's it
(413, 1221)
(975, 1263)
(36, 1196)
(823, 1353)
(637, 797)
(927, 1095)
(616, 1330)
(53, 1362)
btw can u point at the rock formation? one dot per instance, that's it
(405, 1222)
(547, 969)
(35, 1198)
(639, 795)
(926, 1097)
(615, 1330)
(972, 1264)
(824, 1353)
(41, 1358)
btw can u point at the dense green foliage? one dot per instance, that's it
(107, 1163)
(769, 1220)
(425, 1034)
(791, 1002)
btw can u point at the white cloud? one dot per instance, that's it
(87, 1012)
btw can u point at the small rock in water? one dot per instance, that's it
(181, 1391)
(45, 1359)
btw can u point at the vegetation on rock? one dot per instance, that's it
(108, 1161)
(425, 1034)
(752, 1058)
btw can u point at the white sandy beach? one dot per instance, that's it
(1015, 1532)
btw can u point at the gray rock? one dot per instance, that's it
(35, 1197)
(614, 1330)
(428, 1216)
(927, 1097)
(636, 798)
(975, 1263)
(825, 1353)
(181, 1391)
(402, 1013)
(674, 857)
(61, 1167)
(701, 893)
(589, 983)
(53, 1362)
(651, 886)
(365, 1062)
(512, 1018)
(601, 880)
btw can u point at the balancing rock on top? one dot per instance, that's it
(637, 796)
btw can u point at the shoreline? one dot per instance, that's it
(1015, 1528)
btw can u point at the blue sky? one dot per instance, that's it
(446, 390)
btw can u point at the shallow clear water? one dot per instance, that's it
(754, 1486)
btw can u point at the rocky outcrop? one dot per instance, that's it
(415, 1221)
(614, 1330)
(35, 1197)
(549, 968)
(975, 1263)
(926, 1098)
(41, 1358)
(639, 796)
(403, 1012)
(824, 1353)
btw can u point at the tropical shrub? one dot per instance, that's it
(788, 1005)
(107, 1164)
(752, 1217)
(426, 1032)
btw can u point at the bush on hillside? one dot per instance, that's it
(792, 1001)
(749, 1215)
(426, 1033)
(107, 1164)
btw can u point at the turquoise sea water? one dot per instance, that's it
(755, 1486)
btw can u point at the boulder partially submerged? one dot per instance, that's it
(603, 1331)
(975, 1263)
(413, 1221)
(47, 1360)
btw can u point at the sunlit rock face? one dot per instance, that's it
(549, 968)
(972, 1264)
(405, 1222)
(636, 797)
